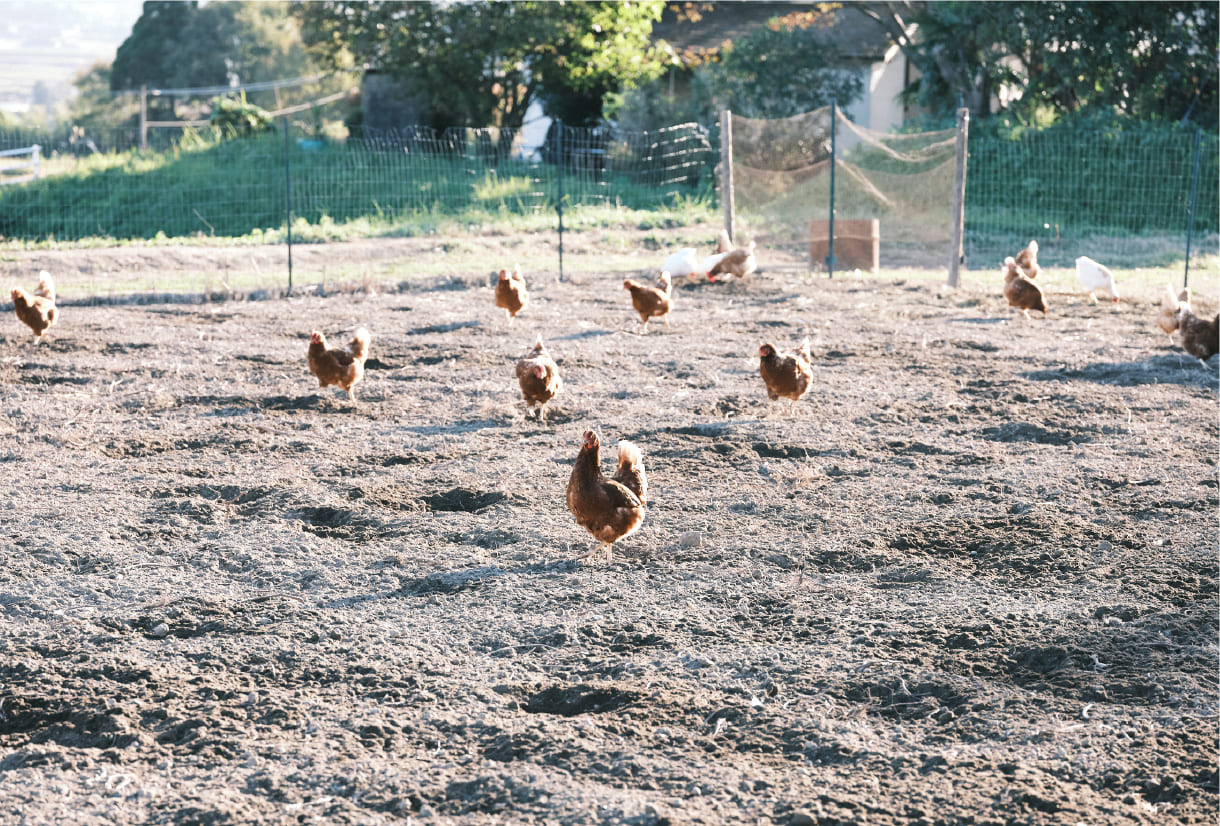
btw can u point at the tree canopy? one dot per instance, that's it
(1150, 61)
(788, 67)
(183, 44)
(483, 62)
(781, 70)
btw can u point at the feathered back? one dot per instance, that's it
(723, 242)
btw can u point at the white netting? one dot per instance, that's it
(781, 177)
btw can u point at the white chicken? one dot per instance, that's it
(683, 263)
(1095, 277)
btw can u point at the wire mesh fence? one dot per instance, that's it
(782, 185)
(207, 185)
(1117, 196)
(1114, 196)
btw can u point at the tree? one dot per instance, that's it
(781, 70)
(95, 108)
(784, 69)
(184, 45)
(154, 53)
(1146, 61)
(482, 61)
(957, 47)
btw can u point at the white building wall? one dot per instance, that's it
(878, 107)
(885, 82)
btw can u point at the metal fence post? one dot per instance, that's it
(957, 231)
(288, 200)
(559, 178)
(830, 228)
(726, 178)
(1190, 219)
(143, 118)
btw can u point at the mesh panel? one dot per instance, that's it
(781, 178)
(1116, 196)
(234, 187)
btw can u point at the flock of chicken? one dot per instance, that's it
(1021, 288)
(612, 508)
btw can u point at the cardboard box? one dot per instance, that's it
(857, 244)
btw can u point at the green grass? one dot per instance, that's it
(236, 189)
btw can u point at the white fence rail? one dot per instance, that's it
(13, 172)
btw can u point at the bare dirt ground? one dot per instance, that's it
(972, 580)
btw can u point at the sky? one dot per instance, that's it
(54, 40)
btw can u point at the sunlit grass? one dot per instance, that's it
(237, 191)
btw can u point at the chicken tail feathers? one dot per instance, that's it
(46, 286)
(631, 470)
(804, 351)
(359, 345)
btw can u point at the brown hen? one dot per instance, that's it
(35, 311)
(786, 376)
(46, 287)
(739, 262)
(539, 378)
(609, 509)
(1200, 337)
(1020, 291)
(342, 367)
(1027, 260)
(1167, 318)
(651, 302)
(511, 293)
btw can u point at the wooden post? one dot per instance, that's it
(143, 117)
(834, 162)
(956, 232)
(726, 177)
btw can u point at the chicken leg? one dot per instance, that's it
(608, 546)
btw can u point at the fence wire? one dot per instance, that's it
(231, 187)
(1120, 196)
(1115, 196)
(781, 179)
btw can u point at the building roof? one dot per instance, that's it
(855, 35)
